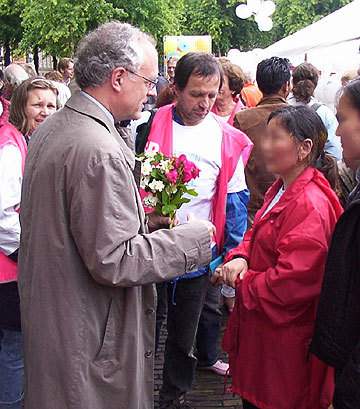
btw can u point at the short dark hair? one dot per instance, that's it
(200, 64)
(352, 92)
(272, 74)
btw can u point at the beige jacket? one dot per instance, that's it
(86, 267)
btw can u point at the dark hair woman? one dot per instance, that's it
(305, 78)
(336, 338)
(278, 270)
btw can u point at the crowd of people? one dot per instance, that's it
(88, 276)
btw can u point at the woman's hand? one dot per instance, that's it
(229, 272)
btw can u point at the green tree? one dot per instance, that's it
(156, 17)
(56, 26)
(11, 30)
(293, 15)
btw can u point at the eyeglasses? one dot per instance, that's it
(151, 84)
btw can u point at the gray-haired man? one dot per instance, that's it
(86, 264)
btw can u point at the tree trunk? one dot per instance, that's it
(7, 54)
(71, 44)
(36, 58)
(54, 62)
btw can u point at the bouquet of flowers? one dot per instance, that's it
(164, 180)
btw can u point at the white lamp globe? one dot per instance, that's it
(265, 24)
(243, 11)
(254, 5)
(267, 8)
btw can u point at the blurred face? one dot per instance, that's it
(225, 94)
(279, 149)
(136, 89)
(197, 98)
(41, 103)
(348, 129)
(69, 72)
(171, 68)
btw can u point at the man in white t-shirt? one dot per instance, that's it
(221, 152)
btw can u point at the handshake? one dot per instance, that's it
(228, 273)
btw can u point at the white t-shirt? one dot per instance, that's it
(275, 200)
(10, 194)
(202, 145)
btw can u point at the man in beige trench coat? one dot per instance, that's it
(86, 264)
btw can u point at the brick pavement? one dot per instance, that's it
(207, 390)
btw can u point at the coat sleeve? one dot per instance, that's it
(105, 221)
(347, 383)
(285, 291)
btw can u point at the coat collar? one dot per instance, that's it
(83, 105)
(272, 100)
(293, 191)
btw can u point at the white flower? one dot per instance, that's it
(157, 185)
(171, 189)
(150, 201)
(164, 165)
(150, 154)
(144, 182)
(146, 168)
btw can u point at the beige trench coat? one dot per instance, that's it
(86, 267)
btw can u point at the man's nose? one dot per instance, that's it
(152, 92)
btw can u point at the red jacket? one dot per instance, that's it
(269, 332)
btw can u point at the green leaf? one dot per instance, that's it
(192, 192)
(167, 209)
(164, 197)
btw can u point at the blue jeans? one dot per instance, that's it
(11, 369)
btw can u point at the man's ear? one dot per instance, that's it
(117, 78)
(176, 90)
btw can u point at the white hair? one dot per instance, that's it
(15, 75)
(109, 46)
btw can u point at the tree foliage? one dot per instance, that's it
(55, 26)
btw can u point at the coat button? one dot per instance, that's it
(148, 354)
(150, 311)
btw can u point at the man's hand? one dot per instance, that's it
(211, 228)
(157, 221)
(229, 272)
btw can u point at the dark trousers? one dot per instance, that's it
(184, 309)
(209, 328)
(248, 405)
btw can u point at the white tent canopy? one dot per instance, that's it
(337, 28)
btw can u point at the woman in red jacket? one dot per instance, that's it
(278, 270)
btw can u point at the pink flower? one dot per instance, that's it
(182, 159)
(176, 163)
(191, 171)
(172, 176)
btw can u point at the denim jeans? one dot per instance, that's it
(11, 369)
(182, 323)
